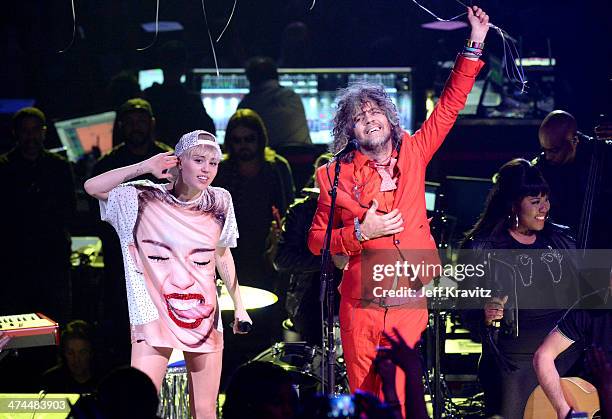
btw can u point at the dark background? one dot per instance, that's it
(343, 33)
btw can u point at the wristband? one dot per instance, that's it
(472, 51)
(358, 233)
(474, 44)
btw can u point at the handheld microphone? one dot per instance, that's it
(243, 327)
(351, 145)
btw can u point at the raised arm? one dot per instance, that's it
(158, 165)
(225, 266)
(548, 376)
(435, 129)
(479, 23)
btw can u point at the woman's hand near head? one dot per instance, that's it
(158, 165)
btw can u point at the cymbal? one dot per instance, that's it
(251, 297)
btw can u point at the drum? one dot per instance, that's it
(174, 394)
(304, 363)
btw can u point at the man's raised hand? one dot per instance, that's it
(479, 21)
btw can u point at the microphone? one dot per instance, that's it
(351, 145)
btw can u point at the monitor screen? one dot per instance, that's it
(317, 88)
(465, 199)
(146, 78)
(431, 193)
(80, 135)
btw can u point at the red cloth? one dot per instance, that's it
(358, 184)
(361, 333)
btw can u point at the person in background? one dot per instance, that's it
(178, 110)
(124, 393)
(75, 372)
(261, 186)
(293, 258)
(261, 390)
(135, 124)
(37, 214)
(280, 108)
(565, 163)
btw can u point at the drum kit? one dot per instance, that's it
(303, 361)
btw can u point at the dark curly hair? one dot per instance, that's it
(350, 101)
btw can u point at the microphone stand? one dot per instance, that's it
(328, 292)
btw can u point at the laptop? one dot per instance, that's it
(80, 135)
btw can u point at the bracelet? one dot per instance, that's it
(474, 44)
(473, 51)
(470, 54)
(358, 233)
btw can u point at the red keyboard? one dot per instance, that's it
(28, 330)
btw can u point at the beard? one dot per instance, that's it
(374, 146)
(138, 138)
(246, 155)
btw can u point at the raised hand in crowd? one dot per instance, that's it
(409, 361)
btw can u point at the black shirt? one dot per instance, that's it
(544, 291)
(59, 380)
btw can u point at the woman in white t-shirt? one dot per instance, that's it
(174, 237)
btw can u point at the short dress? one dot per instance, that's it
(168, 251)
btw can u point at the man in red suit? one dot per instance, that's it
(380, 206)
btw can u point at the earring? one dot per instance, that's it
(516, 226)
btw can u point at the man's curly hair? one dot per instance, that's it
(350, 101)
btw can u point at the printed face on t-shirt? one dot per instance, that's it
(177, 261)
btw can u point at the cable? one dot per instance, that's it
(73, 29)
(156, 28)
(514, 72)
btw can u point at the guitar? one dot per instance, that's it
(580, 395)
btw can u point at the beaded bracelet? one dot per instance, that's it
(358, 233)
(472, 51)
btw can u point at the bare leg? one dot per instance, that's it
(151, 360)
(204, 372)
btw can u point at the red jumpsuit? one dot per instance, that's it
(361, 322)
